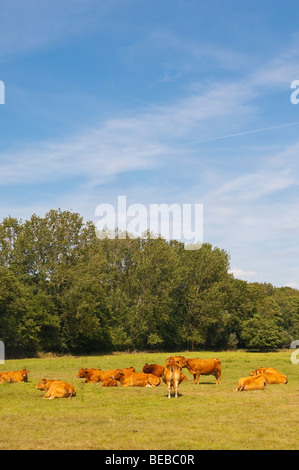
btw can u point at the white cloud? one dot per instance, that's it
(242, 274)
(294, 285)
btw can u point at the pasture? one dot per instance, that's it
(205, 416)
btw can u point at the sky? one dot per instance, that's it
(173, 102)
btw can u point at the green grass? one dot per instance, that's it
(204, 416)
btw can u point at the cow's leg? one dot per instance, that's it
(198, 377)
(194, 378)
(169, 390)
(176, 389)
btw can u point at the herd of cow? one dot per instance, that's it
(151, 376)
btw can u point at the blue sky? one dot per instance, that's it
(164, 102)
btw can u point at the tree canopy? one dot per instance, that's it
(63, 289)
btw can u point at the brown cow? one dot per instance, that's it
(99, 375)
(136, 379)
(261, 370)
(18, 375)
(95, 375)
(59, 389)
(172, 377)
(153, 369)
(198, 367)
(272, 375)
(256, 382)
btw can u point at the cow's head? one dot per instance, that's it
(259, 371)
(181, 361)
(42, 385)
(117, 374)
(82, 373)
(25, 373)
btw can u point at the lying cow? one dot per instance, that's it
(136, 379)
(172, 377)
(95, 375)
(99, 375)
(153, 369)
(18, 375)
(198, 367)
(59, 389)
(261, 370)
(271, 375)
(257, 382)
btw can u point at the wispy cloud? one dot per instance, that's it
(34, 25)
(120, 145)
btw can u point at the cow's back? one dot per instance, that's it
(204, 366)
(275, 378)
(60, 389)
(153, 369)
(139, 379)
(5, 378)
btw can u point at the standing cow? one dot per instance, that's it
(172, 377)
(198, 367)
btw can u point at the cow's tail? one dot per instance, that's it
(170, 368)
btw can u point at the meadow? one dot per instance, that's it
(204, 417)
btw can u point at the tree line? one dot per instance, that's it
(65, 290)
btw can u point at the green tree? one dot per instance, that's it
(153, 282)
(261, 333)
(205, 275)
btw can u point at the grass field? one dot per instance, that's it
(205, 416)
